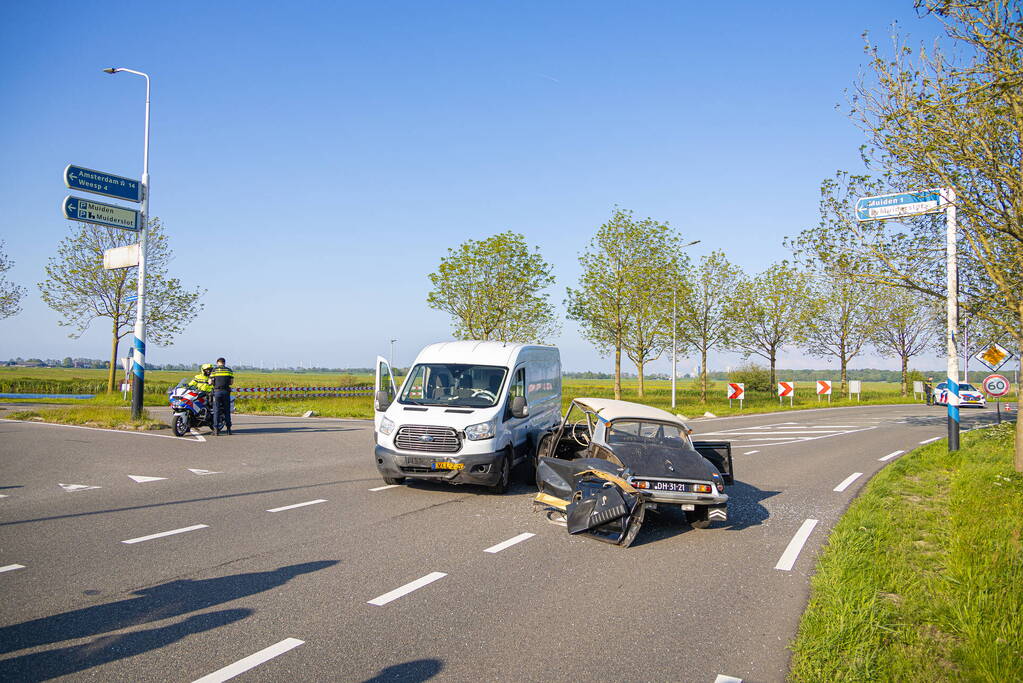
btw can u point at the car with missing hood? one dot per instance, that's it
(608, 461)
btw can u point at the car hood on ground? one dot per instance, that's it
(669, 462)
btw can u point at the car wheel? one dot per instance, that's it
(502, 484)
(394, 481)
(180, 425)
(542, 450)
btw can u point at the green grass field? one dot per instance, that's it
(922, 578)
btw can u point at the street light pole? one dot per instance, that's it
(392, 353)
(139, 343)
(674, 345)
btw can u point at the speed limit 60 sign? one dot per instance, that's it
(996, 385)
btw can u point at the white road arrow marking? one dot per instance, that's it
(203, 473)
(77, 487)
(140, 479)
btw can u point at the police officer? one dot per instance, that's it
(222, 378)
(929, 390)
(201, 381)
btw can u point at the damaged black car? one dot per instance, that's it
(609, 461)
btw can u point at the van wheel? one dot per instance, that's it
(394, 481)
(502, 484)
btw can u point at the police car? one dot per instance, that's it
(968, 395)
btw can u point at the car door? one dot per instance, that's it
(383, 381)
(518, 426)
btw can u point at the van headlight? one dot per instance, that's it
(481, 431)
(386, 426)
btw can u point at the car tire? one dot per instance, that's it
(502, 483)
(394, 481)
(542, 450)
(181, 425)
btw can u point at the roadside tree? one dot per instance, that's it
(769, 311)
(903, 326)
(840, 323)
(703, 323)
(10, 293)
(493, 290)
(81, 290)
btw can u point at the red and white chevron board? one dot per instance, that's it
(823, 387)
(736, 390)
(786, 388)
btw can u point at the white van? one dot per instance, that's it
(467, 412)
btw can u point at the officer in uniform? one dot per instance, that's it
(201, 381)
(222, 378)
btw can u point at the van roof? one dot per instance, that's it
(476, 352)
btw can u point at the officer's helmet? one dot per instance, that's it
(206, 368)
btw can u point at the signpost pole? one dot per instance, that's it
(674, 348)
(952, 315)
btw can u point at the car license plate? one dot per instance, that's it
(445, 465)
(667, 486)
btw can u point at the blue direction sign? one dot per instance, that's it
(98, 182)
(899, 204)
(88, 211)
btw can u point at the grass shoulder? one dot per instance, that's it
(920, 579)
(105, 417)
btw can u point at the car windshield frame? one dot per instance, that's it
(684, 439)
(450, 390)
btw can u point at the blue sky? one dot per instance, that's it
(312, 162)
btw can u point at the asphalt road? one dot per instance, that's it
(287, 554)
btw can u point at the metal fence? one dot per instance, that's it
(300, 392)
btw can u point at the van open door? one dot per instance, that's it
(383, 391)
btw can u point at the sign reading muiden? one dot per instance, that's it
(88, 211)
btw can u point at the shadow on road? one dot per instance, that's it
(744, 506)
(43, 666)
(409, 672)
(165, 601)
(242, 429)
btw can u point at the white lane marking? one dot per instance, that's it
(890, 456)
(70, 488)
(298, 505)
(848, 480)
(509, 543)
(166, 533)
(930, 440)
(141, 479)
(383, 488)
(721, 678)
(788, 558)
(197, 435)
(750, 452)
(203, 473)
(407, 588)
(250, 662)
(100, 429)
(3, 495)
(11, 567)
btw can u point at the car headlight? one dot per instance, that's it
(386, 426)
(481, 431)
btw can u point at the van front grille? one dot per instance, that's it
(428, 439)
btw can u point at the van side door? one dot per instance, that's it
(518, 426)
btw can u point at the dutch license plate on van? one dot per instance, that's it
(445, 465)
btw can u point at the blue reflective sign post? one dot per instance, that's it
(88, 211)
(98, 182)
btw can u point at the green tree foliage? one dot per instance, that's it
(903, 326)
(623, 301)
(703, 323)
(753, 377)
(840, 322)
(10, 293)
(493, 289)
(769, 311)
(81, 290)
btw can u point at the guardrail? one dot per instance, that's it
(300, 392)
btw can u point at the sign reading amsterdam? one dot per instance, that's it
(98, 182)
(88, 211)
(899, 204)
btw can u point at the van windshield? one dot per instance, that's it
(453, 384)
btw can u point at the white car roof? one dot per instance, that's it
(611, 409)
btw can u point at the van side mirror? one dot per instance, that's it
(383, 400)
(519, 407)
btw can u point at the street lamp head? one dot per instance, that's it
(111, 70)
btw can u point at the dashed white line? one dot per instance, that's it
(11, 567)
(382, 488)
(890, 456)
(848, 480)
(509, 543)
(250, 662)
(166, 533)
(721, 678)
(930, 440)
(788, 558)
(407, 588)
(298, 505)
(750, 452)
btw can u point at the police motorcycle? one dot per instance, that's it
(192, 408)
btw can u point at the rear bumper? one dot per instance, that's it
(681, 497)
(483, 469)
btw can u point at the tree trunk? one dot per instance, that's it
(774, 376)
(618, 373)
(113, 358)
(905, 375)
(639, 366)
(843, 376)
(703, 375)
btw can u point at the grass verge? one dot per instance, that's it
(922, 579)
(355, 406)
(107, 417)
